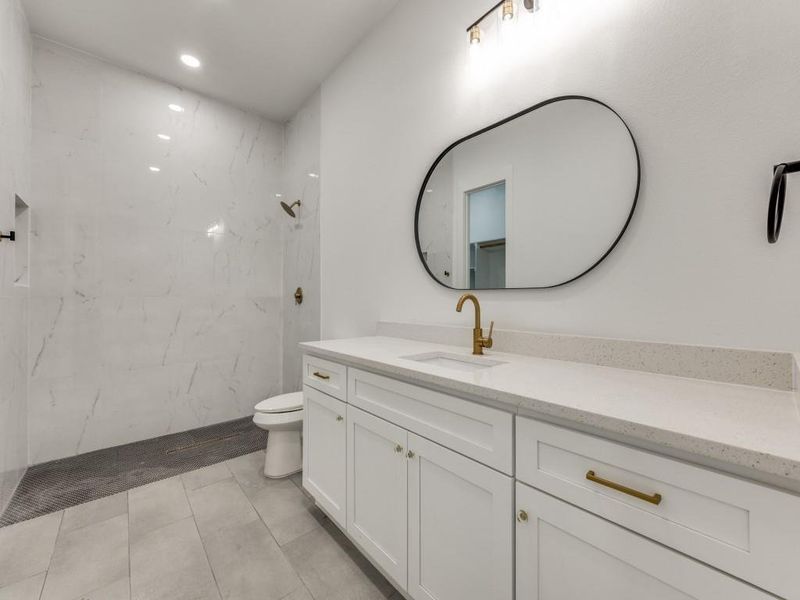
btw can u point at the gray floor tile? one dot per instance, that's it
(88, 559)
(205, 476)
(170, 564)
(156, 505)
(249, 472)
(249, 565)
(287, 511)
(301, 593)
(27, 589)
(332, 569)
(119, 590)
(26, 548)
(297, 479)
(94, 512)
(219, 506)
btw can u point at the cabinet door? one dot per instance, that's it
(460, 526)
(325, 452)
(377, 491)
(564, 553)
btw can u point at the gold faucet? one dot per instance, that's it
(478, 341)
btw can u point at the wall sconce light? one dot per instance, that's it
(508, 13)
(475, 35)
(508, 10)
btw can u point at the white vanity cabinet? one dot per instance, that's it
(565, 553)
(438, 523)
(461, 532)
(740, 527)
(377, 490)
(419, 480)
(325, 452)
(457, 500)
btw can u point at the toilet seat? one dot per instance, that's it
(285, 403)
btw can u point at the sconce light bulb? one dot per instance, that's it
(508, 10)
(475, 35)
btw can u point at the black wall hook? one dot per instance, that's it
(777, 198)
(10, 237)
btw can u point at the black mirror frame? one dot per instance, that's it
(503, 122)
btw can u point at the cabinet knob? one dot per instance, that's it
(522, 516)
(398, 448)
(339, 418)
(410, 454)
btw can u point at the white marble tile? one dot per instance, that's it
(145, 323)
(301, 239)
(65, 255)
(67, 93)
(65, 336)
(15, 178)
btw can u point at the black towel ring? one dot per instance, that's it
(777, 198)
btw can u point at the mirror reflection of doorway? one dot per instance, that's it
(486, 248)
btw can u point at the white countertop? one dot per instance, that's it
(754, 429)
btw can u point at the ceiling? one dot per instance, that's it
(266, 56)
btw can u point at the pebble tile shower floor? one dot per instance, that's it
(219, 532)
(67, 482)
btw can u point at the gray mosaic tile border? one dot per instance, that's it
(59, 484)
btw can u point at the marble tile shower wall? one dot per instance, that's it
(301, 238)
(15, 126)
(156, 296)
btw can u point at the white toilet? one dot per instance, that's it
(282, 417)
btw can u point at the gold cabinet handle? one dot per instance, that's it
(651, 498)
(339, 418)
(410, 454)
(321, 376)
(398, 448)
(522, 516)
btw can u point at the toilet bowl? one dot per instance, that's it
(282, 417)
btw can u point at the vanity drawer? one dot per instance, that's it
(746, 529)
(326, 376)
(474, 430)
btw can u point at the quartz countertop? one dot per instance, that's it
(750, 428)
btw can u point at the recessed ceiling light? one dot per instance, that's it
(176, 107)
(314, 175)
(155, 169)
(164, 136)
(190, 61)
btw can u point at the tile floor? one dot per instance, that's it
(222, 532)
(60, 484)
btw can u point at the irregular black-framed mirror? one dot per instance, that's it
(534, 201)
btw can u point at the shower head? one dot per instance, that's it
(290, 209)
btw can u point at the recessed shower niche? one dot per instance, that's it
(22, 248)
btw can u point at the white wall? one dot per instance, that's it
(709, 91)
(301, 238)
(15, 148)
(156, 296)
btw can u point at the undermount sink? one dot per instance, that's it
(455, 362)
